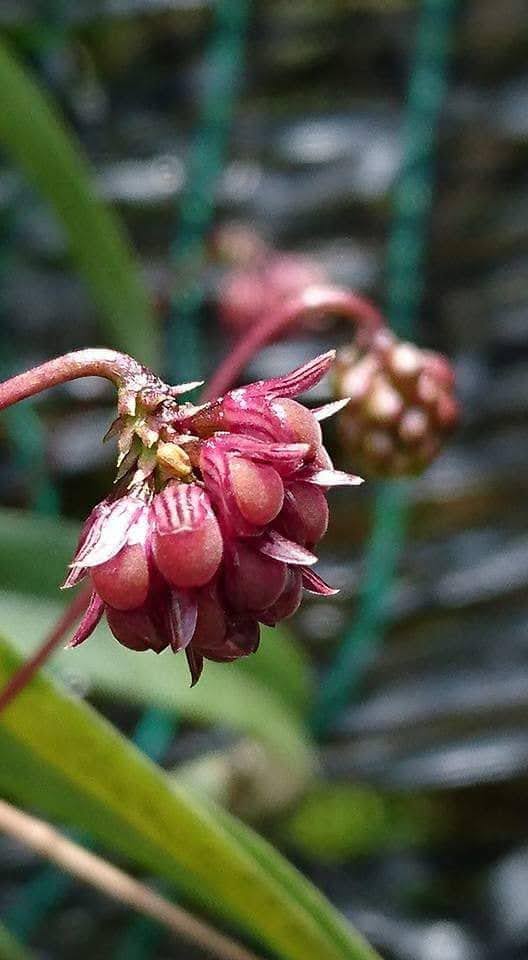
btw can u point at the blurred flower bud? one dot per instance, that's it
(259, 285)
(402, 405)
(237, 244)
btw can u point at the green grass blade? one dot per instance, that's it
(36, 136)
(59, 755)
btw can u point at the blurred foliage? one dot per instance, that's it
(337, 821)
(57, 752)
(10, 948)
(40, 143)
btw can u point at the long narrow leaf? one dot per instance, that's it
(59, 756)
(37, 138)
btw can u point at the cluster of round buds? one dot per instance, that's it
(401, 405)
(260, 280)
(213, 522)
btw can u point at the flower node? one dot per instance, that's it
(212, 523)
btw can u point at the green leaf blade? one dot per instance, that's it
(37, 138)
(135, 812)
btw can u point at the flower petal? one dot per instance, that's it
(195, 662)
(136, 629)
(106, 530)
(257, 449)
(329, 409)
(298, 381)
(242, 639)
(244, 636)
(214, 464)
(92, 616)
(286, 458)
(186, 541)
(277, 547)
(333, 478)
(313, 583)
(182, 613)
(180, 508)
(74, 577)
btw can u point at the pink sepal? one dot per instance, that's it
(277, 547)
(332, 478)
(300, 380)
(91, 618)
(195, 663)
(182, 612)
(107, 529)
(313, 583)
(329, 409)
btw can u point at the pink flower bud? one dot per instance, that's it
(111, 524)
(304, 517)
(224, 504)
(252, 581)
(123, 581)
(135, 629)
(258, 490)
(289, 601)
(272, 278)
(297, 423)
(186, 541)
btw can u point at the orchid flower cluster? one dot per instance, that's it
(213, 520)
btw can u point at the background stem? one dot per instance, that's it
(50, 843)
(22, 677)
(110, 364)
(313, 302)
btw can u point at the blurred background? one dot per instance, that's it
(287, 116)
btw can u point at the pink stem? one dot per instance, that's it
(313, 302)
(116, 367)
(26, 672)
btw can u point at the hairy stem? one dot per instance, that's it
(24, 674)
(114, 366)
(99, 873)
(313, 302)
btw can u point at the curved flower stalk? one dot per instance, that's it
(402, 404)
(215, 513)
(257, 278)
(260, 280)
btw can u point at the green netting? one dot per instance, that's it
(413, 197)
(205, 163)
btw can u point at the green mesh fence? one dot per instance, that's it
(413, 197)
